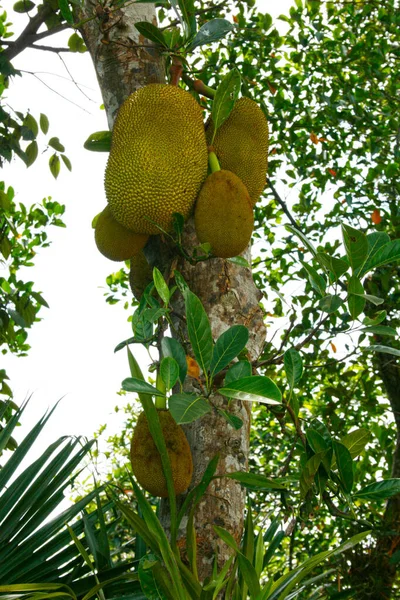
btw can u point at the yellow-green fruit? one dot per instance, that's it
(158, 158)
(146, 461)
(140, 275)
(241, 145)
(115, 241)
(223, 214)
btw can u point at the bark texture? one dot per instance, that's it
(124, 63)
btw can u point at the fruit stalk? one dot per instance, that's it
(213, 161)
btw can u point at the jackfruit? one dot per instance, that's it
(115, 241)
(146, 461)
(158, 158)
(223, 214)
(140, 275)
(241, 145)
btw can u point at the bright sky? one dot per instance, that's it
(72, 347)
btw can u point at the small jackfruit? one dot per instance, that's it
(241, 145)
(115, 241)
(158, 158)
(223, 214)
(146, 461)
(140, 274)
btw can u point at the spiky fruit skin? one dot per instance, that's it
(115, 241)
(146, 461)
(158, 158)
(140, 275)
(223, 214)
(241, 145)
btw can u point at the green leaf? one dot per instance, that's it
(180, 282)
(319, 445)
(54, 164)
(76, 43)
(238, 370)
(161, 286)
(210, 32)
(344, 463)
(171, 347)
(253, 389)
(356, 300)
(330, 303)
(379, 330)
(356, 245)
(384, 349)
(65, 10)
(386, 254)
(23, 6)
(240, 261)
(254, 481)
(303, 239)
(31, 125)
(44, 123)
(189, 17)
(225, 98)
(55, 143)
(293, 366)
(169, 371)
(233, 420)
(227, 347)
(356, 440)
(151, 32)
(199, 331)
(337, 266)
(133, 384)
(31, 152)
(100, 141)
(317, 282)
(148, 582)
(186, 408)
(379, 490)
(308, 473)
(378, 318)
(66, 162)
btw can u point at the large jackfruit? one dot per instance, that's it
(140, 275)
(115, 241)
(146, 461)
(241, 145)
(158, 158)
(223, 214)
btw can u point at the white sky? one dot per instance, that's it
(72, 347)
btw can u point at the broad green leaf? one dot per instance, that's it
(76, 43)
(66, 11)
(148, 582)
(55, 143)
(254, 481)
(171, 347)
(210, 32)
(180, 282)
(305, 241)
(344, 464)
(133, 384)
(384, 256)
(238, 370)
(199, 331)
(30, 124)
(161, 286)
(379, 490)
(66, 162)
(320, 446)
(373, 299)
(384, 349)
(233, 420)
(23, 6)
(186, 408)
(316, 280)
(54, 164)
(31, 152)
(356, 300)
(376, 240)
(379, 330)
(293, 366)
(330, 303)
(378, 318)
(240, 261)
(225, 98)
(253, 389)
(356, 245)
(189, 16)
(337, 266)
(100, 141)
(151, 32)
(227, 347)
(308, 473)
(169, 371)
(356, 440)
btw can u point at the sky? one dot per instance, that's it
(72, 348)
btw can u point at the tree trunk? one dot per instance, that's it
(124, 62)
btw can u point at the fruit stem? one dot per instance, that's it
(199, 86)
(213, 161)
(161, 401)
(175, 70)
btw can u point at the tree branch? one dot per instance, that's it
(282, 204)
(34, 47)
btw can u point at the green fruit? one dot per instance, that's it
(146, 461)
(241, 145)
(158, 158)
(140, 275)
(114, 241)
(223, 214)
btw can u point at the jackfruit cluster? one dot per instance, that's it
(146, 461)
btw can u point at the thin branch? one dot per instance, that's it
(58, 93)
(25, 38)
(282, 204)
(73, 80)
(54, 30)
(34, 47)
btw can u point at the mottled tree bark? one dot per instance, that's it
(124, 63)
